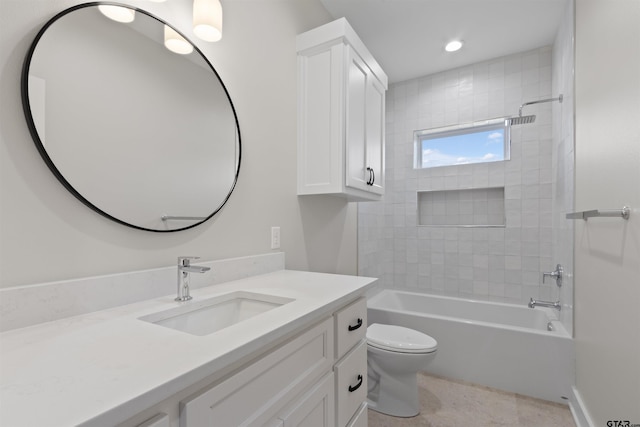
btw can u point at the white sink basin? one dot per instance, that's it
(208, 316)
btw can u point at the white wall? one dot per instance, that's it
(607, 250)
(46, 234)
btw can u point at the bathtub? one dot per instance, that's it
(504, 346)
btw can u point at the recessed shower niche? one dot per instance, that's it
(478, 207)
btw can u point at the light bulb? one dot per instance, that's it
(453, 46)
(117, 13)
(175, 42)
(207, 19)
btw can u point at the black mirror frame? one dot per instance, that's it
(26, 106)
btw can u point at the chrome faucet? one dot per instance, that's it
(184, 268)
(534, 303)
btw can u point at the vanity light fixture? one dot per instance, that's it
(207, 19)
(117, 13)
(175, 42)
(453, 46)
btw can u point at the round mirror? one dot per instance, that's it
(142, 134)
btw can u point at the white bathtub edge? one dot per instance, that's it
(578, 410)
(551, 373)
(560, 331)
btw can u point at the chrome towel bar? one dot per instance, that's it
(619, 213)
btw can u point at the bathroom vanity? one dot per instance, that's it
(300, 362)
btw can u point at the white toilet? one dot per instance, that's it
(395, 354)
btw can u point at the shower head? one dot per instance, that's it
(524, 120)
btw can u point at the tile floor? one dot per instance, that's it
(449, 403)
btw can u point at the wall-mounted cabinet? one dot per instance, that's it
(341, 115)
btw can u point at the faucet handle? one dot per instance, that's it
(185, 261)
(556, 274)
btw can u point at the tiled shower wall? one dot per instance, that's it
(563, 161)
(498, 264)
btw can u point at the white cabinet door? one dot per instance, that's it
(315, 408)
(375, 104)
(257, 393)
(356, 109)
(365, 104)
(351, 383)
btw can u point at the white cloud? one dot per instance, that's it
(495, 138)
(432, 158)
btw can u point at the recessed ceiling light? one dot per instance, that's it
(454, 45)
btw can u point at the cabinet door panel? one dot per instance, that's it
(375, 134)
(357, 174)
(351, 383)
(319, 122)
(315, 408)
(255, 394)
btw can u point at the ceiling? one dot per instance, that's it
(407, 37)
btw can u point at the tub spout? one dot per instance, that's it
(552, 304)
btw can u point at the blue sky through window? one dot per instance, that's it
(457, 149)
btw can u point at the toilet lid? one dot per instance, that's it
(400, 339)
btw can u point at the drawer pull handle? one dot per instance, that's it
(357, 325)
(357, 386)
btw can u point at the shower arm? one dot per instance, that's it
(559, 99)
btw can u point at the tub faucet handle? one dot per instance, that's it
(556, 274)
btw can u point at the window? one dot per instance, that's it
(459, 145)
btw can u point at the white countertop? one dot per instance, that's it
(106, 366)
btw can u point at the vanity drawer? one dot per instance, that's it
(351, 326)
(255, 394)
(351, 383)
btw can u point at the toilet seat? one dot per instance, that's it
(400, 339)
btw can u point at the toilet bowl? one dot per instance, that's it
(395, 354)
